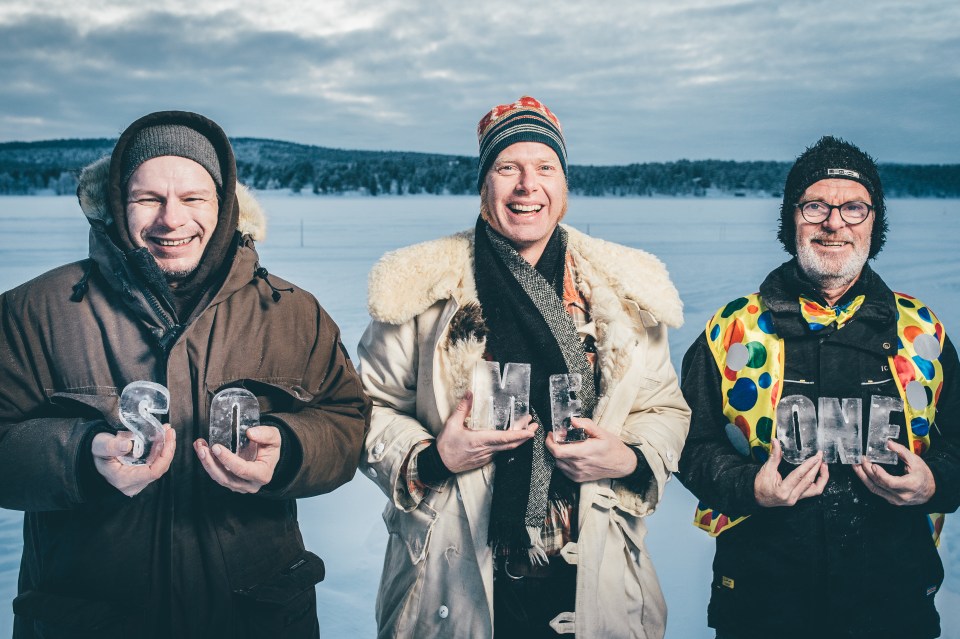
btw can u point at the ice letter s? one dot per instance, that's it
(881, 429)
(564, 405)
(797, 428)
(838, 434)
(139, 402)
(232, 412)
(500, 404)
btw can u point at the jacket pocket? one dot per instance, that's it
(413, 528)
(100, 402)
(52, 616)
(285, 602)
(275, 395)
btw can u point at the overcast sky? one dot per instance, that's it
(631, 81)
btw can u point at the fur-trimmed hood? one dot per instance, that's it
(406, 282)
(92, 193)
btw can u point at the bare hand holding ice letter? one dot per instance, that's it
(241, 455)
(599, 455)
(916, 486)
(131, 460)
(806, 480)
(463, 449)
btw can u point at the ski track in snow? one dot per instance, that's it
(715, 249)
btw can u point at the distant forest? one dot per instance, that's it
(53, 166)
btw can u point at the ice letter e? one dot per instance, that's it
(232, 412)
(139, 402)
(499, 403)
(564, 404)
(797, 428)
(881, 429)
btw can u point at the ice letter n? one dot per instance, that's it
(499, 403)
(797, 428)
(838, 434)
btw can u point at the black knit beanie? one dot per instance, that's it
(831, 158)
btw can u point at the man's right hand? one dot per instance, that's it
(463, 449)
(806, 480)
(130, 480)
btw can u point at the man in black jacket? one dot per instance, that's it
(823, 444)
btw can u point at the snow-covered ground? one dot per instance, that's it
(716, 249)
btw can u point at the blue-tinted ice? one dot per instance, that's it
(139, 402)
(838, 432)
(564, 404)
(797, 428)
(232, 412)
(881, 429)
(500, 402)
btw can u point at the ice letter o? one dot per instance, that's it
(500, 403)
(232, 412)
(797, 428)
(881, 429)
(139, 402)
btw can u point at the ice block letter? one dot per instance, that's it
(838, 432)
(139, 402)
(797, 428)
(500, 402)
(565, 404)
(881, 429)
(232, 412)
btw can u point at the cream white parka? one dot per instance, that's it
(416, 362)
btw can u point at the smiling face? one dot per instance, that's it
(524, 196)
(832, 253)
(172, 210)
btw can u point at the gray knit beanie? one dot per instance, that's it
(171, 139)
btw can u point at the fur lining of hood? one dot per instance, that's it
(92, 193)
(407, 281)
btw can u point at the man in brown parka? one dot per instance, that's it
(194, 543)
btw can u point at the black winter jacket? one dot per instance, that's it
(845, 563)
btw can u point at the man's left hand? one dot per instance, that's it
(239, 475)
(916, 486)
(601, 456)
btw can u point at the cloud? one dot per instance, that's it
(630, 81)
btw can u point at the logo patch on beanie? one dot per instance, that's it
(844, 173)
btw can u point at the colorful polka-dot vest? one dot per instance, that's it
(750, 357)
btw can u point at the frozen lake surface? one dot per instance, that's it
(715, 249)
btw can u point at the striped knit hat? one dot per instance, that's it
(526, 120)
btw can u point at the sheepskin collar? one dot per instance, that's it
(406, 282)
(92, 193)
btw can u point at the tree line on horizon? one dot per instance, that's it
(53, 166)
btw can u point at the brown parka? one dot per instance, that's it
(185, 557)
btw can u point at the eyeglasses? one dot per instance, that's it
(816, 211)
